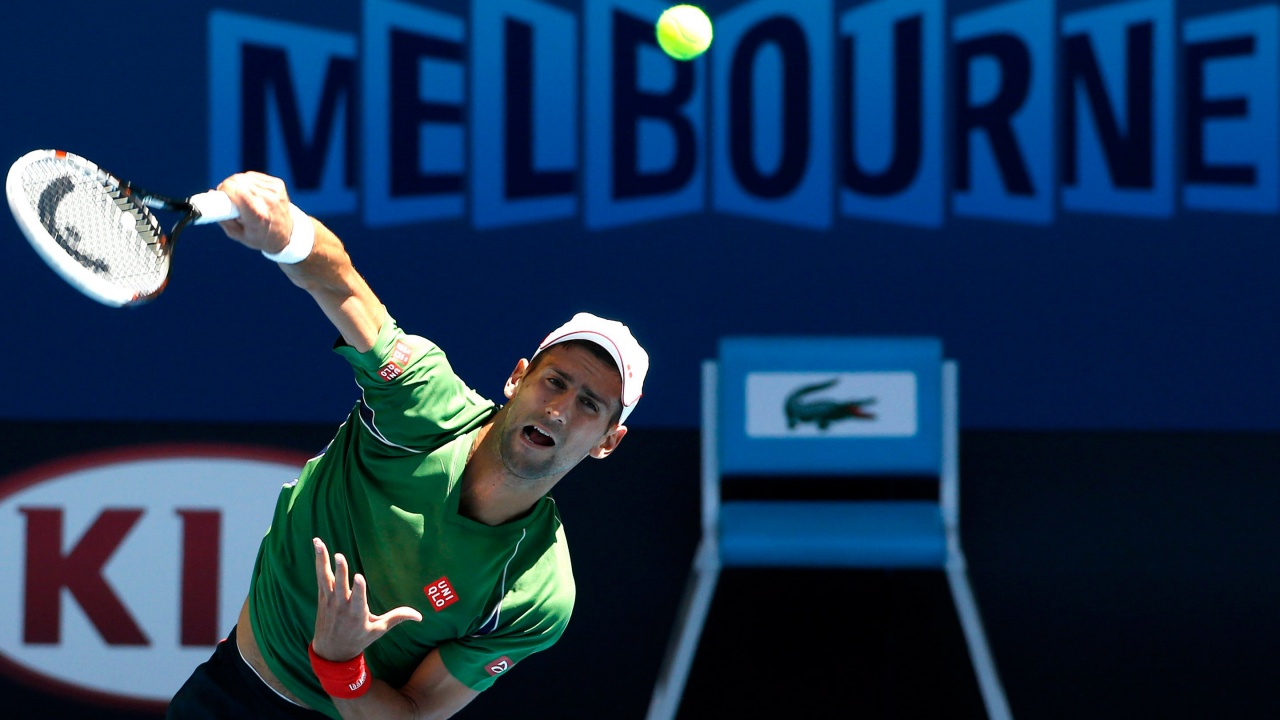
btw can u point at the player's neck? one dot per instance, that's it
(488, 494)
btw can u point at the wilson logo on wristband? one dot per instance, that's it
(358, 683)
(346, 680)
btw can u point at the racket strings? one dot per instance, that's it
(99, 224)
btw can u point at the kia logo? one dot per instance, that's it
(127, 567)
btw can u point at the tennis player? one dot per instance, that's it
(418, 558)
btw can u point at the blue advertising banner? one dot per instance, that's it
(1079, 198)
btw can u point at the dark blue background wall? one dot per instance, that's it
(1119, 575)
(1155, 313)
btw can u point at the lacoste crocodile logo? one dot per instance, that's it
(824, 412)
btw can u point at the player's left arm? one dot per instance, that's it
(345, 627)
(432, 692)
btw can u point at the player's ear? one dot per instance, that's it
(516, 376)
(609, 443)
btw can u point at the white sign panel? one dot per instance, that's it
(125, 569)
(834, 404)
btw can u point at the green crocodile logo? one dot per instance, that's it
(824, 412)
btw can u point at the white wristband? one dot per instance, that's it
(301, 240)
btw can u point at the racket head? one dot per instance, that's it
(89, 226)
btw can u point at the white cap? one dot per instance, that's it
(616, 338)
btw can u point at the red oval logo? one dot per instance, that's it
(129, 566)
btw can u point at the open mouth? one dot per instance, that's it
(537, 436)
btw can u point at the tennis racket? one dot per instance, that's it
(96, 230)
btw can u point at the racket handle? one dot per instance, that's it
(213, 206)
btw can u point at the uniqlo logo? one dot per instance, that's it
(402, 353)
(499, 666)
(390, 371)
(441, 594)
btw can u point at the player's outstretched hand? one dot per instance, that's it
(344, 625)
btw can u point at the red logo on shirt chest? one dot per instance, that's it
(441, 594)
(390, 371)
(402, 353)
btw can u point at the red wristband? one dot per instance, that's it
(345, 680)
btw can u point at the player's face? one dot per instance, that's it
(560, 411)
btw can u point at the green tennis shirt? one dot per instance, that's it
(384, 493)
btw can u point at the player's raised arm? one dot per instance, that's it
(311, 255)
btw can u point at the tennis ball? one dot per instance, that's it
(684, 32)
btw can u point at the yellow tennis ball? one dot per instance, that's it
(684, 32)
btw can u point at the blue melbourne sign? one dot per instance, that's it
(830, 405)
(1081, 198)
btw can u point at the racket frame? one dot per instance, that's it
(207, 207)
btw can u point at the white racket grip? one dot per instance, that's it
(213, 206)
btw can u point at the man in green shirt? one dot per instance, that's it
(449, 563)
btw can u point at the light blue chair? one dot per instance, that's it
(830, 407)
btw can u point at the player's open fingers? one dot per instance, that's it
(341, 579)
(359, 597)
(392, 618)
(324, 574)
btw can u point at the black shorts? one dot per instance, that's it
(225, 687)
